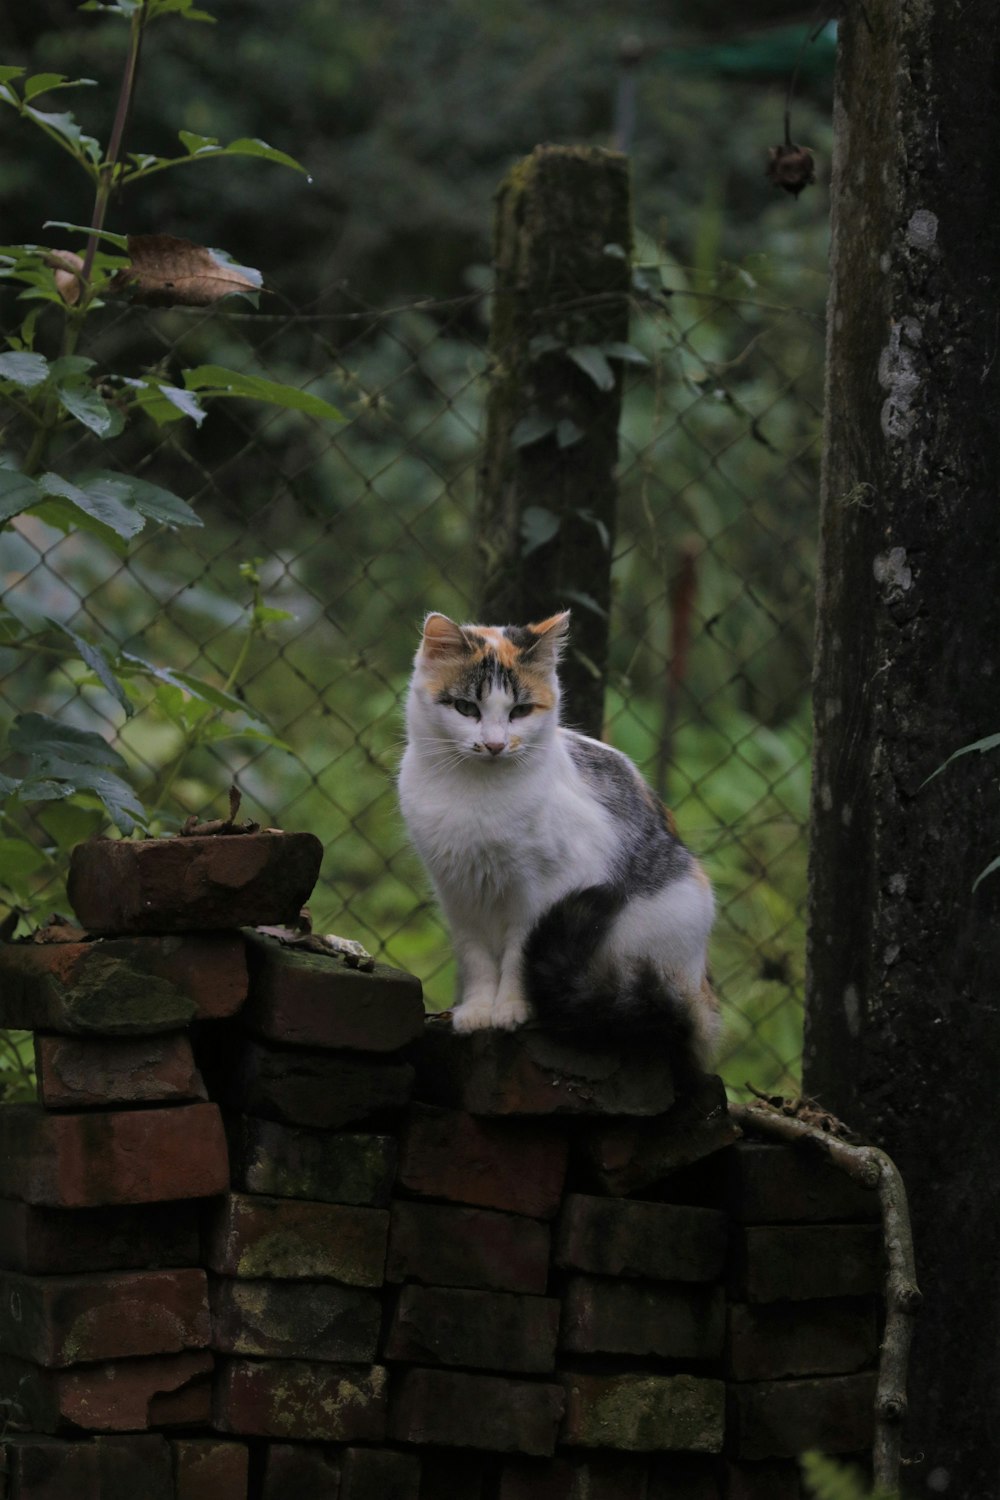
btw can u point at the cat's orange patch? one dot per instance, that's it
(500, 645)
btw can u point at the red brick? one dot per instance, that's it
(782, 1418)
(643, 1318)
(70, 1320)
(289, 1239)
(481, 1330)
(115, 1396)
(81, 1072)
(772, 1480)
(602, 1477)
(315, 1000)
(774, 1184)
(628, 1237)
(442, 1245)
(301, 1471)
(209, 1468)
(295, 1320)
(782, 1339)
(528, 1072)
(192, 884)
(52, 1240)
(510, 1164)
(122, 987)
(644, 1413)
(321, 1090)
(476, 1411)
(803, 1262)
(287, 1161)
(379, 1474)
(121, 1156)
(283, 1398)
(629, 1155)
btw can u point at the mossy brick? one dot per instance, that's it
(379, 1474)
(209, 1468)
(91, 1072)
(803, 1262)
(125, 1395)
(600, 1477)
(37, 1239)
(192, 884)
(513, 1165)
(455, 1410)
(782, 1418)
(289, 1239)
(642, 1318)
(287, 1161)
(295, 1320)
(314, 1000)
(70, 1320)
(644, 1413)
(111, 1157)
(479, 1330)
(778, 1340)
(627, 1156)
(633, 1238)
(773, 1479)
(529, 1072)
(301, 1471)
(295, 1399)
(322, 1090)
(779, 1184)
(106, 1468)
(121, 987)
(444, 1245)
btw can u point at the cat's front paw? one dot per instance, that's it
(474, 1014)
(510, 1011)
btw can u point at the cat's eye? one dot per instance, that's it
(522, 710)
(467, 709)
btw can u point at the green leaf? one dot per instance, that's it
(64, 516)
(150, 500)
(42, 83)
(24, 370)
(194, 143)
(215, 381)
(7, 72)
(19, 860)
(989, 743)
(625, 352)
(544, 343)
(69, 367)
(120, 241)
(246, 146)
(538, 526)
(567, 432)
(591, 360)
(67, 823)
(84, 147)
(183, 8)
(64, 760)
(531, 428)
(98, 664)
(203, 691)
(17, 493)
(105, 498)
(51, 740)
(86, 406)
(264, 614)
(165, 403)
(587, 601)
(993, 865)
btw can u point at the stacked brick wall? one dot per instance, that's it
(268, 1235)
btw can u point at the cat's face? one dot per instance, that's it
(488, 693)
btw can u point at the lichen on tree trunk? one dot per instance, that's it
(562, 243)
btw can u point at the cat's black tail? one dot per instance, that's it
(573, 995)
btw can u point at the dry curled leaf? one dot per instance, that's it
(68, 267)
(791, 167)
(171, 272)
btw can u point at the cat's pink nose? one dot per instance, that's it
(493, 746)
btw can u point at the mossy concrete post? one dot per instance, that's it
(548, 494)
(903, 1020)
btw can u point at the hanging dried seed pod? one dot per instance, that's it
(791, 167)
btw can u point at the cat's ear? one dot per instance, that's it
(442, 637)
(550, 638)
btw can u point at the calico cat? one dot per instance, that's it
(569, 896)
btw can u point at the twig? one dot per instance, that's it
(873, 1169)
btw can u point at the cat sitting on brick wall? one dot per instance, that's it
(569, 896)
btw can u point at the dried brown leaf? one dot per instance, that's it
(171, 272)
(67, 266)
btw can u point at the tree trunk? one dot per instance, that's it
(548, 492)
(902, 1016)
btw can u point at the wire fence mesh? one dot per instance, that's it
(356, 529)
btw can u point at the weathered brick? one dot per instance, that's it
(287, 1161)
(628, 1317)
(514, 1165)
(118, 1156)
(781, 1339)
(209, 1468)
(301, 1471)
(774, 1184)
(655, 1241)
(782, 1418)
(315, 1000)
(324, 1090)
(70, 1320)
(192, 884)
(481, 1330)
(803, 1262)
(771, 1480)
(121, 987)
(80, 1072)
(476, 1411)
(284, 1398)
(379, 1474)
(644, 1413)
(290, 1239)
(442, 1245)
(528, 1072)
(114, 1396)
(53, 1240)
(629, 1155)
(295, 1320)
(601, 1477)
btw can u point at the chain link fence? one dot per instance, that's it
(356, 529)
